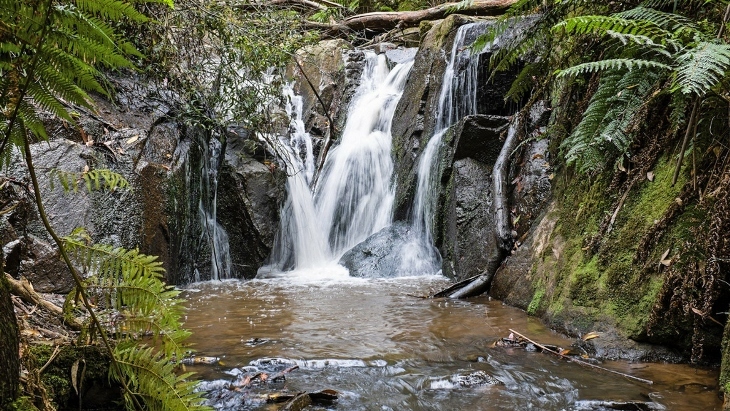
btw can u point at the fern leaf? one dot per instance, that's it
(152, 377)
(612, 64)
(702, 67)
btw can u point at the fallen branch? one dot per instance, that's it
(24, 289)
(577, 361)
(385, 21)
(331, 134)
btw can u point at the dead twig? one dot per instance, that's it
(50, 360)
(577, 361)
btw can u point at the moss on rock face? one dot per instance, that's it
(95, 390)
(580, 288)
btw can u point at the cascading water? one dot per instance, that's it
(213, 232)
(457, 99)
(354, 197)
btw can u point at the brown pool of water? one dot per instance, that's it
(383, 348)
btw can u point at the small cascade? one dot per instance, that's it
(354, 197)
(457, 99)
(212, 232)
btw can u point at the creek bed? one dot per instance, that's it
(383, 348)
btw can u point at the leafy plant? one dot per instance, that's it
(51, 55)
(638, 52)
(133, 303)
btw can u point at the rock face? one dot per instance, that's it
(168, 168)
(465, 225)
(415, 117)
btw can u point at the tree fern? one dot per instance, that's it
(663, 40)
(606, 130)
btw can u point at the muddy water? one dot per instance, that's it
(383, 348)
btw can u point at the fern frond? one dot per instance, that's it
(524, 82)
(94, 180)
(599, 25)
(608, 125)
(670, 22)
(702, 67)
(152, 377)
(111, 10)
(612, 64)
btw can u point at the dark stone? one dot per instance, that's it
(465, 226)
(381, 254)
(249, 199)
(414, 118)
(532, 186)
(43, 267)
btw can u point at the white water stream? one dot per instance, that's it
(354, 197)
(457, 99)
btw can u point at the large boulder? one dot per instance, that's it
(465, 225)
(391, 252)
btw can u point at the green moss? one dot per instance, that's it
(536, 301)
(57, 376)
(583, 288)
(585, 284)
(23, 404)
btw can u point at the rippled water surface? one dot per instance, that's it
(383, 348)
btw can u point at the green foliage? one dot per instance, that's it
(51, 55)
(94, 180)
(151, 376)
(632, 52)
(51, 52)
(134, 302)
(224, 59)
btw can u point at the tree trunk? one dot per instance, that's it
(9, 345)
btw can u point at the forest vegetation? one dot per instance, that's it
(629, 81)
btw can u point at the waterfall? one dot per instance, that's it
(212, 232)
(354, 197)
(457, 99)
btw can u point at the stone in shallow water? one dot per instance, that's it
(476, 378)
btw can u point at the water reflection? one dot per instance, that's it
(383, 348)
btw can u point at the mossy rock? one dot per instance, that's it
(95, 391)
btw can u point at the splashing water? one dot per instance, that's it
(354, 197)
(457, 99)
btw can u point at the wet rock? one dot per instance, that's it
(384, 47)
(617, 405)
(324, 66)
(465, 227)
(43, 267)
(475, 378)
(531, 187)
(380, 254)
(414, 122)
(249, 198)
(400, 55)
